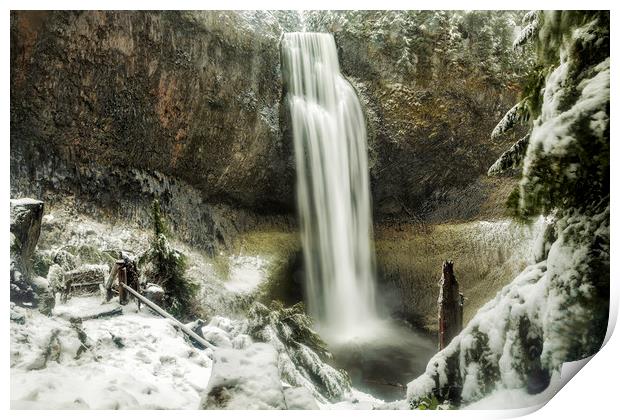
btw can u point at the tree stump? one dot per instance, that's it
(450, 305)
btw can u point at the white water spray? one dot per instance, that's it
(332, 185)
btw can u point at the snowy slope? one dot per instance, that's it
(149, 365)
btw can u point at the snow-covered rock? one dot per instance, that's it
(154, 293)
(222, 323)
(26, 217)
(242, 341)
(216, 336)
(245, 379)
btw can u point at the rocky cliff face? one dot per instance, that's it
(434, 84)
(197, 98)
(193, 95)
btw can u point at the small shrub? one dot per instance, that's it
(167, 267)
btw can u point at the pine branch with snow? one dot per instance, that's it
(529, 31)
(514, 115)
(303, 356)
(511, 158)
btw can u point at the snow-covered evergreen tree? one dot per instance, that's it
(556, 310)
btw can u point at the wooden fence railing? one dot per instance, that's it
(120, 271)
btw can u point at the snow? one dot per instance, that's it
(299, 398)
(216, 336)
(517, 398)
(153, 289)
(509, 120)
(83, 307)
(555, 140)
(246, 273)
(137, 361)
(18, 202)
(355, 400)
(245, 379)
(527, 33)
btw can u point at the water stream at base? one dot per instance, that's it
(383, 364)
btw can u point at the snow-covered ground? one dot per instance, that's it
(136, 360)
(357, 400)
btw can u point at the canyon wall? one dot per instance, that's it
(198, 98)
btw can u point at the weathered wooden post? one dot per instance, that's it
(122, 281)
(107, 291)
(450, 305)
(132, 278)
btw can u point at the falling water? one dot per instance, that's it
(332, 184)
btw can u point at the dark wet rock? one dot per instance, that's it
(187, 107)
(26, 215)
(424, 102)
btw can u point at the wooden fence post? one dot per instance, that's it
(122, 281)
(450, 306)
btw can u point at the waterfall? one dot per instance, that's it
(333, 190)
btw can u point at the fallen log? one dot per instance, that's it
(112, 312)
(165, 314)
(108, 312)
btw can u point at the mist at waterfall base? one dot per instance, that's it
(333, 193)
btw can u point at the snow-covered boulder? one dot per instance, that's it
(154, 293)
(245, 379)
(216, 336)
(16, 315)
(222, 323)
(45, 295)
